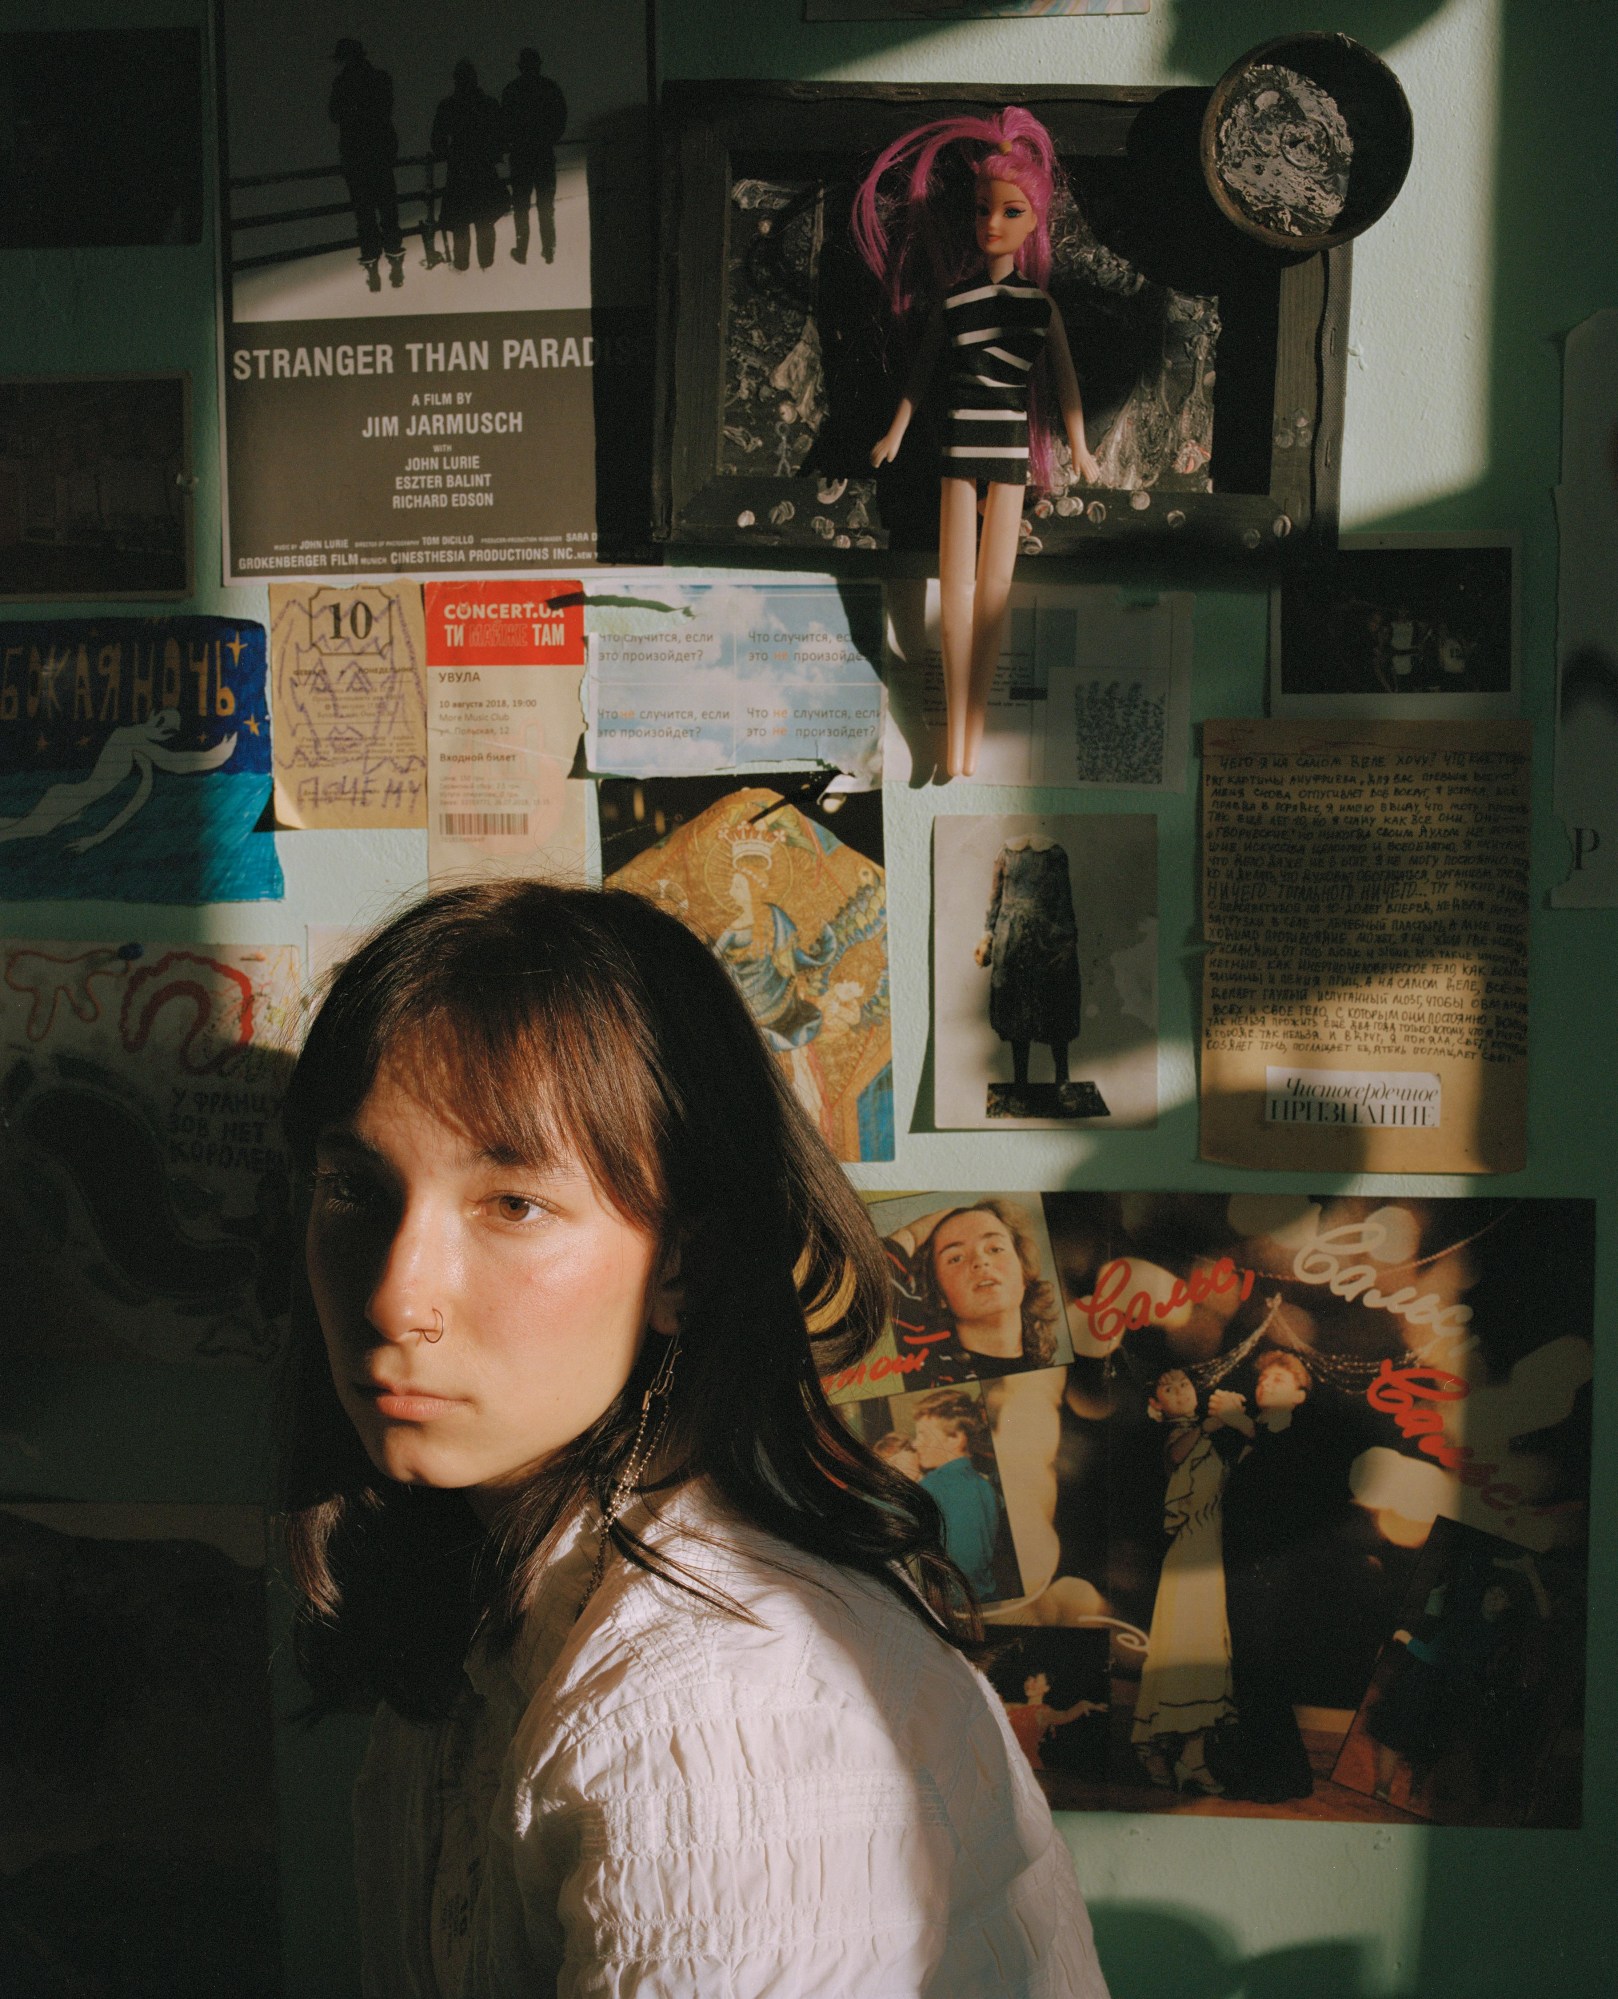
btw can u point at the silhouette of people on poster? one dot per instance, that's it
(535, 118)
(469, 137)
(361, 107)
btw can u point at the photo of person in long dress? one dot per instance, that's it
(1185, 1684)
(970, 1294)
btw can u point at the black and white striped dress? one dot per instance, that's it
(997, 332)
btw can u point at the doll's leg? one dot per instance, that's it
(1019, 1065)
(957, 562)
(1059, 1061)
(991, 605)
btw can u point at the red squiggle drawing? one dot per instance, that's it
(135, 1021)
(58, 979)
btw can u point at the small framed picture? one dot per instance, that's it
(95, 487)
(1409, 627)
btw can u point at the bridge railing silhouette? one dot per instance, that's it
(422, 196)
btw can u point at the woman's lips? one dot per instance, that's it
(407, 1405)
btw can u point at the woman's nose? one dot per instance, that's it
(407, 1298)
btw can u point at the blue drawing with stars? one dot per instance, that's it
(135, 761)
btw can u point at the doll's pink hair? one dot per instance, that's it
(920, 260)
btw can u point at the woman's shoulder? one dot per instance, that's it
(763, 1631)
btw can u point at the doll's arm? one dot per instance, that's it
(1067, 394)
(887, 445)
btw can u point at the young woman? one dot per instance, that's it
(968, 1294)
(670, 1669)
(1185, 1683)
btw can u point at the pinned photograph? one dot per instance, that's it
(942, 1440)
(100, 138)
(1404, 626)
(1045, 970)
(95, 487)
(1299, 1505)
(974, 1288)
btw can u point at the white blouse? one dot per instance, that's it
(665, 1800)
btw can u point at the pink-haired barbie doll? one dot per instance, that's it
(987, 298)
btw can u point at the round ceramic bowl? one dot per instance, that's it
(1306, 140)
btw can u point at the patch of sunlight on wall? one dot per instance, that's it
(1420, 334)
(1125, 48)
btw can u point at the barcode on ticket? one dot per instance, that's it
(476, 825)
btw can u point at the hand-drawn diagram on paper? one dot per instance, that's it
(349, 687)
(145, 1202)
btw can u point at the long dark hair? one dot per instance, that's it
(561, 1020)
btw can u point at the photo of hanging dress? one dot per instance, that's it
(1035, 993)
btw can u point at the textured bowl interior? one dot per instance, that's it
(1374, 107)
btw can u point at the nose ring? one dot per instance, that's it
(434, 1334)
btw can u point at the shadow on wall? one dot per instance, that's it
(1153, 1951)
(1207, 40)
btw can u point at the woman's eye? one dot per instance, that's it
(515, 1207)
(344, 1193)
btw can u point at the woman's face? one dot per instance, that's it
(1175, 1396)
(543, 1289)
(979, 1272)
(1035, 1687)
(1005, 218)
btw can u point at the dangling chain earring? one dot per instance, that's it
(647, 1433)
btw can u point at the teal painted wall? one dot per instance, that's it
(1505, 237)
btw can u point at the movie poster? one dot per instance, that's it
(408, 347)
(1301, 1527)
(138, 1843)
(786, 883)
(145, 1196)
(135, 761)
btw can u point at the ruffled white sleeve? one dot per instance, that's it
(827, 1806)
